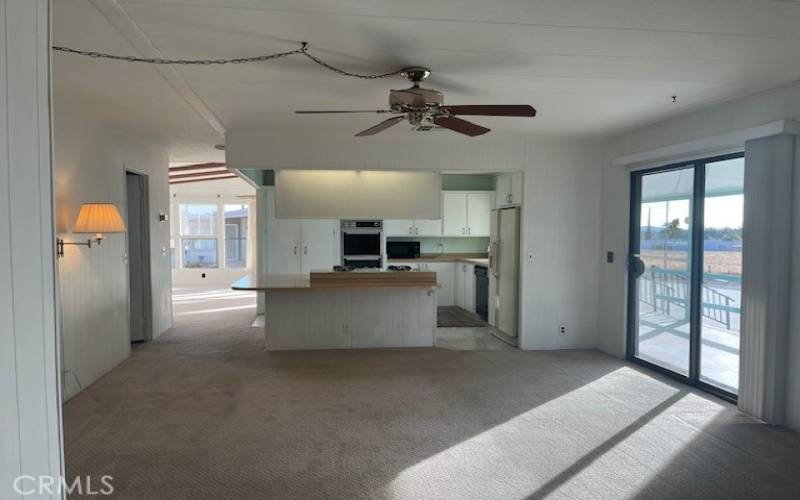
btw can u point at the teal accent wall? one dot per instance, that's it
(430, 244)
(467, 182)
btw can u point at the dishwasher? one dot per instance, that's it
(482, 292)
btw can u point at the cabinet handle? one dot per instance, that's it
(305, 250)
(295, 249)
(410, 230)
(469, 230)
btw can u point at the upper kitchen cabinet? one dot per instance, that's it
(466, 213)
(407, 227)
(509, 189)
(400, 227)
(431, 227)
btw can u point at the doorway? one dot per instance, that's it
(685, 272)
(137, 214)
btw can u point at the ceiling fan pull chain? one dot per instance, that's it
(303, 50)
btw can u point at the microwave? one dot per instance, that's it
(402, 249)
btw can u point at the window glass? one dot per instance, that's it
(236, 220)
(198, 219)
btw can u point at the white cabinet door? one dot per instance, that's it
(454, 214)
(479, 209)
(502, 189)
(458, 285)
(428, 227)
(398, 227)
(516, 188)
(282, 242)
(445, 279)
(468, 287)
(318, 250)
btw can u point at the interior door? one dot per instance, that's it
(318, 249)
(138, 251)
(479, 207)
(282, 241)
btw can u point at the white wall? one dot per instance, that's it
(30, 413)
(221, 190)
(561, 228)
(752, 111)
(90, 162)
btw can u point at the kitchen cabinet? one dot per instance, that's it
(319, 245)
(509, 189)
(431, 227)
(398, 227)
(406, 227)
(299, 246)
(454, 214)
(466, 214)
(464, 286)
(445, 277)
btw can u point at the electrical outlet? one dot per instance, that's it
(562, 330)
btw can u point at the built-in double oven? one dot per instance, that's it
(362, 243)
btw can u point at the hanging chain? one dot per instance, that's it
(303, 50)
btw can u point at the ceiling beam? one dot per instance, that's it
(198, 166)
(183, 181)
(131, 32)
(200, 174)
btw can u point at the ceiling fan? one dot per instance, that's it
(425, 110)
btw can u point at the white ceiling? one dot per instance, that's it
(590, 67)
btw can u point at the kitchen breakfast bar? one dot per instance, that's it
(343, 310)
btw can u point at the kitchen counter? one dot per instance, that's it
(330, 279)
(345, 310)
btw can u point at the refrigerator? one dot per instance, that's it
(504, 271)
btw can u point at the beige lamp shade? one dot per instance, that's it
(99, 218)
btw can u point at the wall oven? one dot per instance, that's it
(362, 243)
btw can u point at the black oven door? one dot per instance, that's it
(362, 243)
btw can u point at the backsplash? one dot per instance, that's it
(431, 244)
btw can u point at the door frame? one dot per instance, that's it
(696, 271)
(147, 278)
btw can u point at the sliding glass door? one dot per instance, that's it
(685, 271)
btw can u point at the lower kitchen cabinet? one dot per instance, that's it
(445, 276)
(464, 284)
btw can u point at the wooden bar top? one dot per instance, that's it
(330, 279)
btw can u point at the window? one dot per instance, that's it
(209, 235)
(198, 237)
(236, 217)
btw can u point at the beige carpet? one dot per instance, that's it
(204, 413)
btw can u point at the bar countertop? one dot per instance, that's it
(331, 279)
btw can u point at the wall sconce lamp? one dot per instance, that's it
(94, 218)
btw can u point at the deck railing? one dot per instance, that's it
(662, 289)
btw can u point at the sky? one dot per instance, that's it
(720, 212)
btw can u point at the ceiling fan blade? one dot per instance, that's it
(314, 112)
(460, 126)
(492, 110)
(381, 126)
